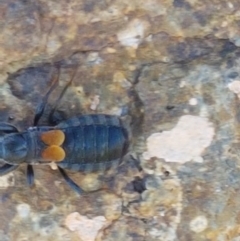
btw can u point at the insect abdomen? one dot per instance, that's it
(93, 147)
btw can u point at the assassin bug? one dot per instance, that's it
(85, 143)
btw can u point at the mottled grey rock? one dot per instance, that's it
(171, 68)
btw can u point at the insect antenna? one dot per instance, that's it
(42, 105)
(51, 119)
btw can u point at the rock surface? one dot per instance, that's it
(171, 68)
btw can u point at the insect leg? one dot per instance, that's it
(70, 182)
(42, 105)
(7, 128)
(30, 175)
(51, 118)
(6, 168)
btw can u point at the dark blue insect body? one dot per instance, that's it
(93, 142)
(86, 143)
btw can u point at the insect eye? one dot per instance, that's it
(15, 148)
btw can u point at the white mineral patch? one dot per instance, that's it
(90, 182)
(164, 233)
(198, 159)
(95, 102)
(185, 142)
(235, 87)
(230, 5)
(198, 224)
(52, 46)
(7, 180)
(86, 228)
(182, 84)
(204, 111)
(132, 35)
(193, 101)
(94, 58)
(111, 50)
(23, 210)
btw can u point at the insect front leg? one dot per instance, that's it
(6, 168)
(30, 175)
(70, 182)
(8, 128)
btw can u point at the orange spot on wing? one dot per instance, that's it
(53, 137)
(53, 153)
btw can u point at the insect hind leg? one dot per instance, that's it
(70, 182)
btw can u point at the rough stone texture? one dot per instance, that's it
(172, 69)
